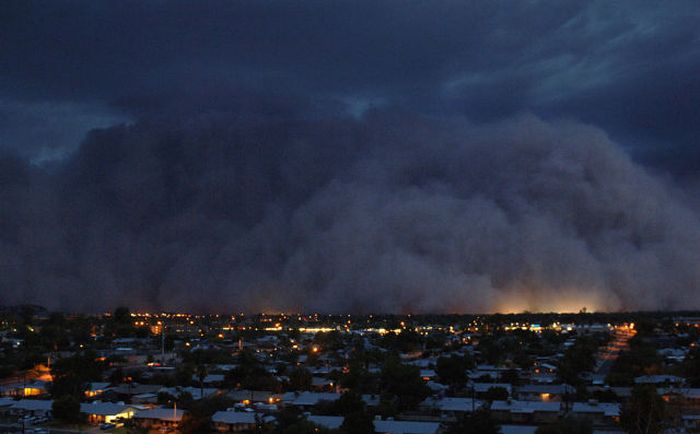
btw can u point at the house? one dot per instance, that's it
(30, 407)
(543, 392)
(659, 379)
(450, 407)
(210, 379)
(437, 387)
(145, 398)
(487, 371)
(328, 422)
(543, 367)
(405, 427)
(481, 389)
(597, 413)
(94, 390)
(24, 389)
(543, 378)
(687, 397)
(518, 429)
(428, 374)
(691, 422)
(100, 412)
(234, 421)
(308, 399)
(322, 384)
(622, 392)
(526, 412)
(159, 418)
(370, 400)
(195, 392)
(250, 396)
(6, 403)
(673, 355)
(125, 392)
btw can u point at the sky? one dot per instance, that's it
(359, 156)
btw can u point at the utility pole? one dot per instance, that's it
(162, 344)
(473, 398)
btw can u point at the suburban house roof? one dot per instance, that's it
(515, 406)
(104, 408)
(166, 414)
(233, 417)
(329, 422)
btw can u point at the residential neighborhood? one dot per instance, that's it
(141, 372)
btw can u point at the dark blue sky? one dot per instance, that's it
(350, 155)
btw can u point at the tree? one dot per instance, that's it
(644, 412)
(641, 359)
(403, 381)
(304, 427)
(490, 350)
(358, 422)
(511, 376)
(480, 422)
(122, 315)
(201, 375)
(199, 413)
(250, 374)
(496, 394)
(300, 379)
(71, 374)
(453, 370)
(691, 367)
(358, 378)
(578, 359)
(286, 417)
(67, 409)
(349, 403)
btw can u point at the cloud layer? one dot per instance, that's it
(392, 212)
(630, 68)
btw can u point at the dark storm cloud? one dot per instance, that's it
(389, 213)
(315, 155)
(630, 68)
(43, 131)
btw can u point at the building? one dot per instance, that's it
(544, 392)
(659, 380)
(308, 399)
(32, 407)
(482, 389)
(24, 389)
(234, 421)
(525, 412)
(159, 418)
(96, 389)
(597, 413)
(101, 412)
(405, 427)
(250, 396)
(328, 422)
(195, 392)
(449, 407)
